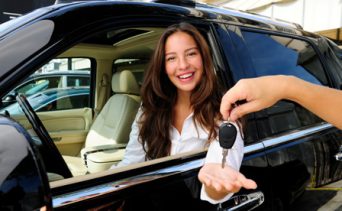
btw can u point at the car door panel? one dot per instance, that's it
(72, 119)
(68, 128)
(69, 142)
(301, 162)
(298, 144)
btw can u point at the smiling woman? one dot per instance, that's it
(180, 95)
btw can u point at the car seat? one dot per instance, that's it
(109, 134)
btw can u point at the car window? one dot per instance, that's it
(76, 81)
(100, 141)
(37, 84)
(71, 101)
(125, 50)
(333, 55)
(273, 54)
(53, 75)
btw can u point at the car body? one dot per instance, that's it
(53, 99)
(53, 79)
(288, 150)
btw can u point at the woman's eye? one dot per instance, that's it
(170, 58)
(193, 53)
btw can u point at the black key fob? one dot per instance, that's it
(227, 135)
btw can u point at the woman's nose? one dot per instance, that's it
(183, 63)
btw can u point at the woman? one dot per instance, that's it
(180, 107)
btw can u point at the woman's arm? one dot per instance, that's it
(219, 183)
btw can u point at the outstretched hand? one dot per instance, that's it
(219, 182)
(259, 93)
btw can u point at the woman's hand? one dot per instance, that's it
(219, 182)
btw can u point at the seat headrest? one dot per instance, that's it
(125, 82)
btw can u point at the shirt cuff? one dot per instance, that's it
(204, 196)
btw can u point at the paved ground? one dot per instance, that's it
(327, 198)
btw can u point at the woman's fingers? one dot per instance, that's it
(225, 180)
(246, 183)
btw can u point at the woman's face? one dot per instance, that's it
(183, 61)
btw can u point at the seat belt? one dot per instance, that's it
(103, 94)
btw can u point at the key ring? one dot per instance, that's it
(227, 121)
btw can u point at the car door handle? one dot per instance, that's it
(338, 156)
(243, 202)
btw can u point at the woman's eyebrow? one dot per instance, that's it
(192, 48)
(169, 53)
(188, 49)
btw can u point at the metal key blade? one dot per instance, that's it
(224, 155)
(227, 136)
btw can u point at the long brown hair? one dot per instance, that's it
(159, 95)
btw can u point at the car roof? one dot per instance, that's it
(200, 10)
(65, 18)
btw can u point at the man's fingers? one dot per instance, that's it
(225, 108)
(231, 97)
(243, 109)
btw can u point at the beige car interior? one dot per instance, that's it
(105, 142)
(93, 143)
(67, 128)
(109, 134)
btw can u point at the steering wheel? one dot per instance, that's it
(52, 159)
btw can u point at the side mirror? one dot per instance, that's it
(9, 99)
(23, 182)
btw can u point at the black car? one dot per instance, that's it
(38, 82)
(50, 160)
(53, 99)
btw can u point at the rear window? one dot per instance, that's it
(273, 55)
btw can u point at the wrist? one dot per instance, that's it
(288, 87)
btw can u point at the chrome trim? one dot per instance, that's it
(296, 135)
(253, 148)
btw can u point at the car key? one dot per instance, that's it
(227, 136)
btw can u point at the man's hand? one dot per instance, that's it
(219, 182)
(259, 93)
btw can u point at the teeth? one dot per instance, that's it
(185, 75)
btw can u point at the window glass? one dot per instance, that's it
(333, 57)
(74, 81)
(53, 87)
(77, 100)
(272, 55)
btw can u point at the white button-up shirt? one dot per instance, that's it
(191, 138)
